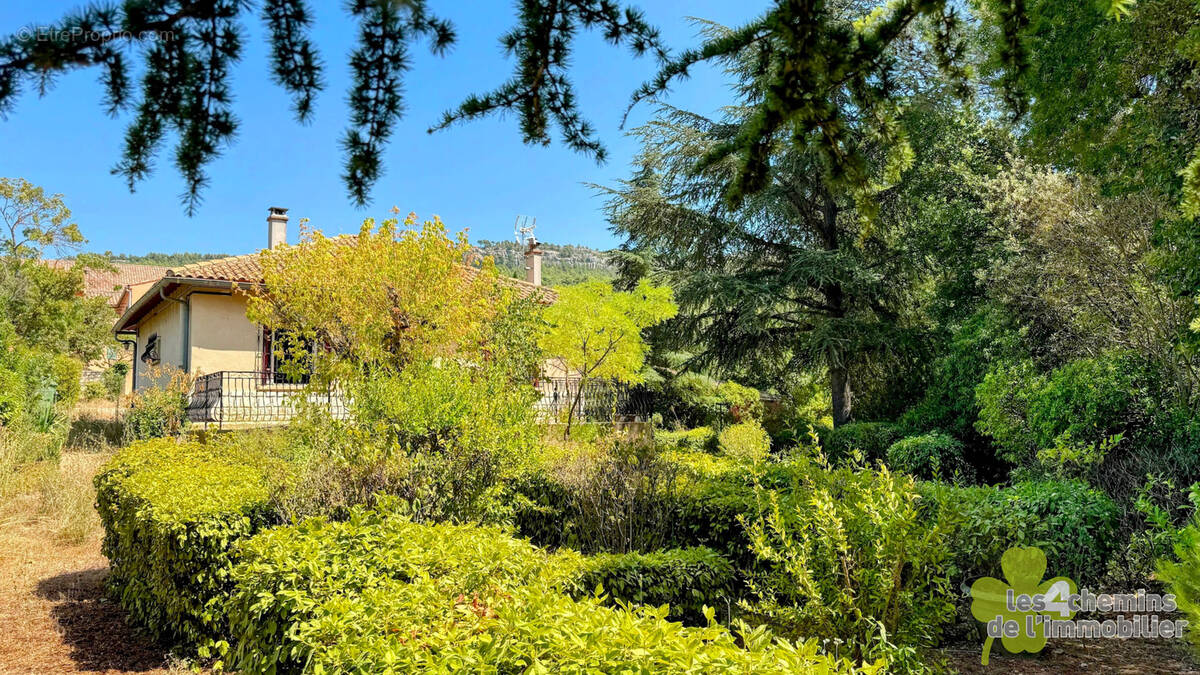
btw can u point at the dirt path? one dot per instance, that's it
(54, 615)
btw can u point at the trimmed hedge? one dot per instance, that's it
(171, 512)
(688, 580)
(380, 594)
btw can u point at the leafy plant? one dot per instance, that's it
(929, 456)
(745, 441)
(171, 514)
(872, 439)
(159, 411)
(850, 556)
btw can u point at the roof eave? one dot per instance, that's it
(153, 296)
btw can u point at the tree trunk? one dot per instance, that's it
(839, 385)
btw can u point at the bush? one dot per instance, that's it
(619, 495)
(687, 579)
(159, 411)
(454, 432)
(1083, 402)
(853, 559)
(871, 438)
(700, 439)
(378, 593)
(930, 456)
(1182, 575)
(746, 441)
(171, 513)
(745, 403)
(1072, 523)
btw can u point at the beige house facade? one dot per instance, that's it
(193, 320)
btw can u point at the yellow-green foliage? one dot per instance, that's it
(380, 594)
(388, 296)
(171, 512)
(747, 441)
(744, 403)
(698, 439)
(1183, 576)
(848, 555)
(687, 580)
(596, 331)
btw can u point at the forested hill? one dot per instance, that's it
(166, 259)
(562, 264)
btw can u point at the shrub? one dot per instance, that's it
(853, 559)
(700, 439)
(171, 513)
(687, 579)
(746, 441)
(871, 438)
(454, 432)
(159, 411)
(745, 403)
(619, 495)
(1083, 402)
(930, 456)
(1182, 575)
(1072, 523)
(378, 593)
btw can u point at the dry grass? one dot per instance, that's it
(54, 614)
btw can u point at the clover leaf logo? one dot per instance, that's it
(1018, 611)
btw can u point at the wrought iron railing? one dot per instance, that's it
(248, 398)
(600, 401)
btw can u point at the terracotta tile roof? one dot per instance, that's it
(248, 269)
(111, 284)
(242, 268)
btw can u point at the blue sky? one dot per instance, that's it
(477, 176)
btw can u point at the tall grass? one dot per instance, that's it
(43, 486)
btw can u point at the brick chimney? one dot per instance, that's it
(276, 227)
(533, 264)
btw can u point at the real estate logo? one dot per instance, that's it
(1026, 611)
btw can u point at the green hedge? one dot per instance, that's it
(872, 438)
(687, 579)
(1075, 525)
(700, 439)
(171, 513)
(930, 456)
(380, 594)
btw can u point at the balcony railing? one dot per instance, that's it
(601, 401)
(252, 398)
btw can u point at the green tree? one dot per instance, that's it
(805, 273)
(596, 332)
(45, 305)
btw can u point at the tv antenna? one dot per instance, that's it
(523, 231)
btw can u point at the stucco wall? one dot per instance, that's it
(222, 338)
(167, 322)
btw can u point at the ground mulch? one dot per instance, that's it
(1068, 656)
(54, 614)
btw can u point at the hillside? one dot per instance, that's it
(166, 259)
(562, 264)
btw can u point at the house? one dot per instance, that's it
(192, 319)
